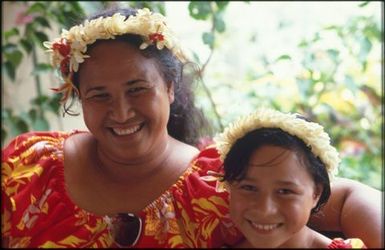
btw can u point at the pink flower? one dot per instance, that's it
(22, 18)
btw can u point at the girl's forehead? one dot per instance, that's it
(271, 155)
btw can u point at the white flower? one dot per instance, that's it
(74, 42)
(144, 23)
(312, 134)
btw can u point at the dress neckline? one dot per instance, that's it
(157, 203)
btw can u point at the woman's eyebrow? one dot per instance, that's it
(131, 82)
(98, 88)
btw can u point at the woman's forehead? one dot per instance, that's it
(116, 58)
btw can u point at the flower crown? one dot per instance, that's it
(69, 50)
(312, 134)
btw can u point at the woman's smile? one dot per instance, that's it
(128, 130)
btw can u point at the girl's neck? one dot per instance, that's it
(307, 238)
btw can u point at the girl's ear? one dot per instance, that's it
(317, 194)
(170, 92)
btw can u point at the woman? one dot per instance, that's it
(133, 179)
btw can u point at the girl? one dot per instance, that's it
(277, 169)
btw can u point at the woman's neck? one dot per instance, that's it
(123, 170)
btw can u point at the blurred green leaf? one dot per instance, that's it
(32, 113)
(333, 54)
(219, 24)
(364, 4)
(283, 57)
(26, 45)
(208, 38)
(14, 57)
(222, 5)
(41, 37)
(196, 57)
(10, 33)
(54, 104)
(42, 21)
(4, 135)
(199, 10)
(10, 70)
(40, 124)
(42, 68)
(36, 8)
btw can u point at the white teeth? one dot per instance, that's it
(126, 131)
(265, 227)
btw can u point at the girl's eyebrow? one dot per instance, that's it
(287, 183)
(282, 181)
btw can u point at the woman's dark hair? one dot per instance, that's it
(186, 122)
(236, 161)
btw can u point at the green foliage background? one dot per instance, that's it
(335, 87)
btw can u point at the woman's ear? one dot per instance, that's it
(170, 92)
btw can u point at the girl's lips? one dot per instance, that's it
(264, 228)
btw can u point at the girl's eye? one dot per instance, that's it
(285, 191)
(247, 187)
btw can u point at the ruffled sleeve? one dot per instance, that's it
(202, 211)
(36, 212)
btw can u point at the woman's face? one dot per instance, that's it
(125, 100)
(273, 202)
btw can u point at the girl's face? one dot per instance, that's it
(272, 204)
(125, 101)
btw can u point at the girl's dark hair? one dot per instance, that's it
(236, 161)
(186, 122)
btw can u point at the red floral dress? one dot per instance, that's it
(37, 211)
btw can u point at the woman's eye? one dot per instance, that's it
(101, 96)
(135, 90)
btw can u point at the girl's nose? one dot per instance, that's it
(264, 205)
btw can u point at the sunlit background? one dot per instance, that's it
(321, 59)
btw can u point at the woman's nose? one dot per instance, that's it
(121, 110)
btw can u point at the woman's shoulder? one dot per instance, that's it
(31, 163)
(35, 140)
(31, 156)
(33, 187)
